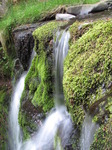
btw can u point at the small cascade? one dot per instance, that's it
(56, 129)
(88, 130)
(58, 124)
(15, 139)
(61, 49)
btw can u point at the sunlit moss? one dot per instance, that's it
(88, 65)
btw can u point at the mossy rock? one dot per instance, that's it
(39, 83)
(103, 137)
(88, 70)
(88, 65)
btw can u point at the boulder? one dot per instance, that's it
(75, 10)
(100, 7)
(24, 43)
(64, 17)
(89, 8)
(80, 9)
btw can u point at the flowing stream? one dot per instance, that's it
(56, 129)
(15, 138)
(15, 134)
(88, 130)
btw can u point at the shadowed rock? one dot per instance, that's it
(24, 43)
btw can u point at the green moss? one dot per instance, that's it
(39, 83)
(25, 124)
(44, 34)
(88, 65)
(57, 142)
(39, 78)
(6, 65)
(103, 137)
(3, 118)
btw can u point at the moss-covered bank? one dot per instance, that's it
(6, 66)
(88, 69)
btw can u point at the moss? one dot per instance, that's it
(44, 35)
(39, 83)
(57, 142)
(39, 78)
(103, 137)
(6, 72)
(6, 65)
(3, 118)
(25, 124)
(88, 65)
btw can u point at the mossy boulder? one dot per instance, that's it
(39, 84)
(88, 69)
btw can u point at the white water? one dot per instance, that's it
(88, 130)
(58, 123)
(61, 49)
(16, 138)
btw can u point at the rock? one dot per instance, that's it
(100, 7)
(18, 69)
(64, 17)
(79, 10)
(24, 43)
(75, 10)
(89, 8)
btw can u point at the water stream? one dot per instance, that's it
(15, 133)
(15, 138)
(56, 129)
(88, 130)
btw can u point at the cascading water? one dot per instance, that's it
(15, 139)
(58, 123)
(88, 130)
(61, 49)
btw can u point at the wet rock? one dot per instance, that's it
(18, 69)
(64, 17)
(24, 43)
(79, 10)
(100, 7)
(90, 8)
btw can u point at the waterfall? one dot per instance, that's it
(58, 124)
(61, 49)
(88, 130)
(15, 139)
(56, 129)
